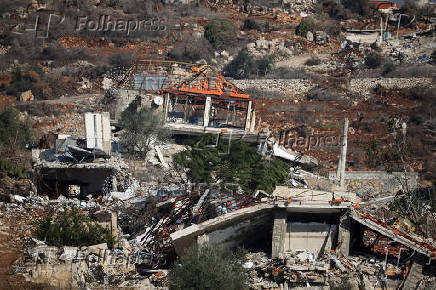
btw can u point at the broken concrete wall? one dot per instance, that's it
(253, 234)
(56, 181)
(236, 228)
(313, 237)
(374, 182)
(98, 131)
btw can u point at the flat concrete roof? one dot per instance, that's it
(314, 196)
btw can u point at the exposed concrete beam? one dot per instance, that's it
(389, 234)
(184, 238)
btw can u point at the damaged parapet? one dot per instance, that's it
(374, 182)
(98, 131)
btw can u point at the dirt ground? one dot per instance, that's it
(9, 252)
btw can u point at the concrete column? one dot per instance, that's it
(114, 227)
(167, 105)
(207, 106)
(343, 157)
(253, 122)
(279, 231)
(248, 118)
(344, 235)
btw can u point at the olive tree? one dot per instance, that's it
(208, 267)
(142, 129)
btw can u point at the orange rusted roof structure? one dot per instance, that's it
(409, 240)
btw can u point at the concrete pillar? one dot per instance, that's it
(343, 157)
(167, 105)
(344, 235)
(207, 106)
(279, 231)
(253, 122)
(248, 118)
(114, 227)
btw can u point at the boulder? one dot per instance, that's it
(27, 96)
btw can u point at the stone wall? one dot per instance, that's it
(374, 182)
(300, 87)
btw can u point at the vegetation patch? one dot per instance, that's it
(208, 267)
(246, 66)
(221, 33)
(241, 164)
(72, 228)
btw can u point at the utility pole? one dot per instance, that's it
(340, 174)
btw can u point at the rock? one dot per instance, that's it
(251, 45)
(107, 83)
(309, 36)
(27, 96)
(197, 34)
(224, 54)
(321, 37)
(85, 84)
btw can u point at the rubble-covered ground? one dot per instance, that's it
(307, 65)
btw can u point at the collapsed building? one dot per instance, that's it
(193, 99)
(314, 231)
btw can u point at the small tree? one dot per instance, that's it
(307, 24)
(221, 33)
(72, 228)
(251, 24)
(14, 133)
(245, 65)
(191, 50)
(433, 57)
(141, 129)
(360, 7)
(208, 267)
(373, 60)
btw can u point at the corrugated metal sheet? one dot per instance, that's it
(149, 82)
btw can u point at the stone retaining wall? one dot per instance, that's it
(303, 86)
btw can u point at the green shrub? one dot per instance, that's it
(221, 33)
(433, 57)
(250, 24)
(72, 228)
(22, 82)
(208, 267)
(244, 65)
(113, 3)
(388, 68)
(373, 60)
(243, 166)
(307, 24)
(191, 50)
(121, 61)
(12, 170)
(14, 133)
(360, 7)
(312, 61)
(333, 9)
(412, 9)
